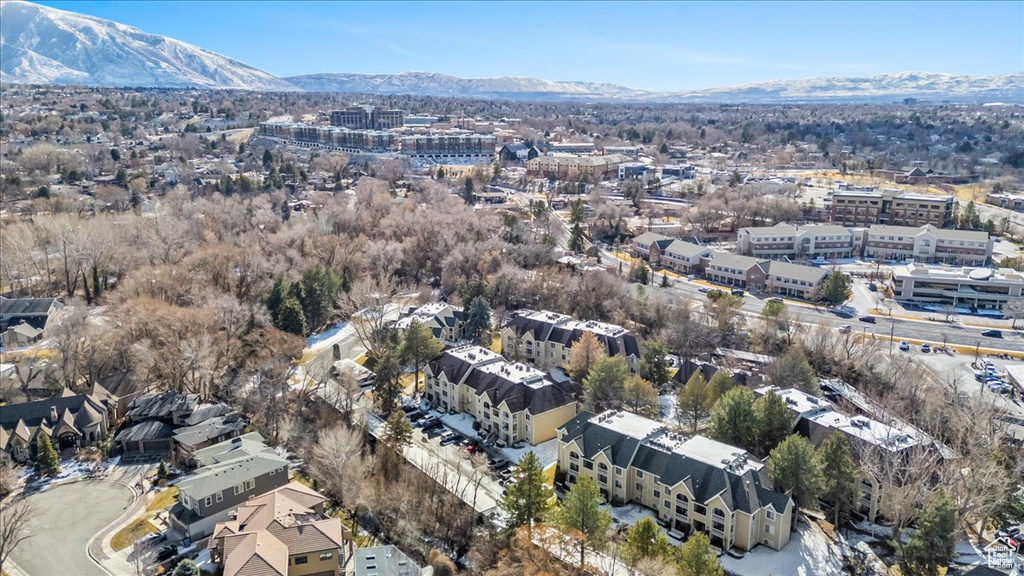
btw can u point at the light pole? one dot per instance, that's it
(892, 331)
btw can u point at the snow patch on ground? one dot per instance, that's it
(809, 553)
(319, 340)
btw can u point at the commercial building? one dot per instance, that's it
(285, 532)
(776, 276)
(867, 208)
(681, 171)
(572, 166)
(928, 244)
(974, 288)
(367, 118)
(693, 484)
(635, 171)
(546, 338)
(677, 255)
(508, 401)
(816, 419)
(796, 242)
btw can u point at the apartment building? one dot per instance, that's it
(367, 118)
(573, 147)
(776, 276)
(796, 242)
(285, 532)
(509, 401)
(867, 208)
(815, 419)
(570, 166)
(694, 484)
(974, 288)
(928, 244)
(443, 320)
(546, 338)
(331, 137)
(454, 145)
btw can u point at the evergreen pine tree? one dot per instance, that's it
(528, 499)
(47, 460)
(581, 514)
(933, 544)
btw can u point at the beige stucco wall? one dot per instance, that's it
(314, 564)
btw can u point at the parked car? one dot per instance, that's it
(415, 415)
(496, 463)
(868, 319)
(873, 287)
(736, 292)
(845, 329)
(409, 408)
(426, 422)
(904, 346)
(777, 300)
(926, 348)
(704, 290)
(166, 553)
(449, 440)
(993, 333)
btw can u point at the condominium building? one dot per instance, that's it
(443, 320)
(974, 288)
(816, 419)
(367, 118)
(546, 338)
(509, 401)
(928, 244)
(572, 166)
(866, 208)
(796, 242)
(694, 484)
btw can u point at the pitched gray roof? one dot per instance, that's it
(214, 478)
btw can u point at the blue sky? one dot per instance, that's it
(656, 46)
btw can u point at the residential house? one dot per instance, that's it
(444, 320)
(796, 242)
(285, 532)
(150, 422)
(816, 419)
(545, 338)
(20, 336)
(974, 288)
(386, 561)
(517, 152)
(207, 432)
(508, 401)
(928, 244)
(229, 474)
(693, 484)
(36, 312)
(70, 420)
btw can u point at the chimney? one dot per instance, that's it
(53, 414)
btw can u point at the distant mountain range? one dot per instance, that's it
(43, 45)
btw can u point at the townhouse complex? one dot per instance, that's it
(975, 288)
(508, 401)
(867, 208)
(694, 484)
(816, 419)
(546, 338)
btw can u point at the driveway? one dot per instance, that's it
(64, 519)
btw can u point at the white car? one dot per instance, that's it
(845, 328)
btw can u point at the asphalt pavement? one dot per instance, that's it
(64, 520)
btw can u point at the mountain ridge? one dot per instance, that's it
(43, 45)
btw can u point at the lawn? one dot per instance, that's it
(142, 525)
(163, 499)
(132, 532)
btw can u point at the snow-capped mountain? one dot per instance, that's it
(43, 45)
(429, 84)
(887, 87)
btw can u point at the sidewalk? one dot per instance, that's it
(99, 548)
